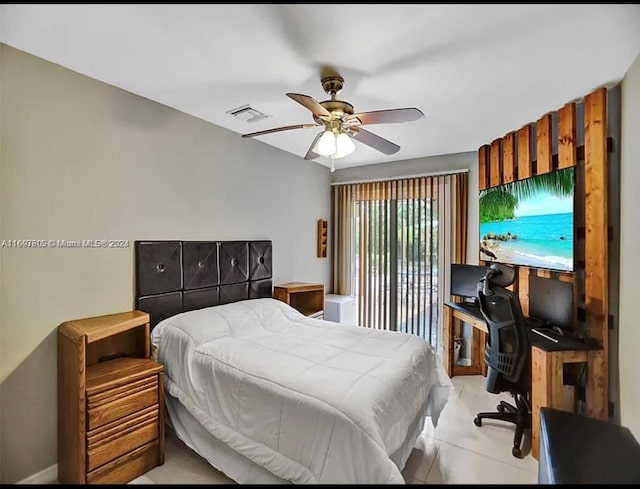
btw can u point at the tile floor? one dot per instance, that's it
(455, 452)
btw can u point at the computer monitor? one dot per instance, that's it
(551, 301)
(465, 278)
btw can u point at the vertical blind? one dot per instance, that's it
(387, 242)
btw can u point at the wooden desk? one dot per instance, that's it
(547, 365)
(454, 315)
(546, 384)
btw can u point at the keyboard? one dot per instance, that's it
(545, 329)
(563, 340)
(547, 333)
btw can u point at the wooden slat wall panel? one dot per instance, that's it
(565, 277)
(596, 241)
(543, 145)
(483, 167)
(495, 153)
(524, 152)
(579, 214)
(509, 158)
(597, 390)
(596, 238)
(567, 156)
(543, 273)
(523, 289)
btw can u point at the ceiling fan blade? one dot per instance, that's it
(389, 116)
(310, 103)
(279, 129)
(376, 142)
(312, 155)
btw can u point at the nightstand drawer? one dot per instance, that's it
(115, 403)
(127, 467)
(121, 426)
(104, 450)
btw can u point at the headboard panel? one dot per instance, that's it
(178, 276)
(158, 267)
(234, 262)
(200, 262)
(259, 260)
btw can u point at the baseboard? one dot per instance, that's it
(46, 476)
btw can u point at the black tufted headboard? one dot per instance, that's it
(178, 276)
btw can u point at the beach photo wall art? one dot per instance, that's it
(529, 222)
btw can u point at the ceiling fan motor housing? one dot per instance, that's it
(336, 107)
(332, 84)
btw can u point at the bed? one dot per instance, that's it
(266, 394)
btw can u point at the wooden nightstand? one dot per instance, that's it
(110, 400)
(306, 298)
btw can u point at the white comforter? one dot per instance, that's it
(309, 400)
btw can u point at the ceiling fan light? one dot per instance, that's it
(344, 146)
(326, 145)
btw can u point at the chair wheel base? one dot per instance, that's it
(477, 421)
(516, 452)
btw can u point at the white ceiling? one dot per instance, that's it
(476, 72)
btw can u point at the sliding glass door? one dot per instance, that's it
(395, 260)
(391, 245)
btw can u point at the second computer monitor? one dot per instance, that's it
(551, 301)
(465, 278)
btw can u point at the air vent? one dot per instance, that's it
(248, 114)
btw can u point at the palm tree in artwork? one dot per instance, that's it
(500, 203)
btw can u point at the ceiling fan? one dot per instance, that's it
(341, 124)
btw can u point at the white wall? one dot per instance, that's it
(430, 164)
(84, 160)
(630, 251)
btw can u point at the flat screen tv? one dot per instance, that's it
(530, 222)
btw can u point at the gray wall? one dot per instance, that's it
(629, 327)
(84, 160)
(429, 164)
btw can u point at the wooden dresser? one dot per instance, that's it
(110, 400)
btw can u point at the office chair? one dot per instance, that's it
(507, 352)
